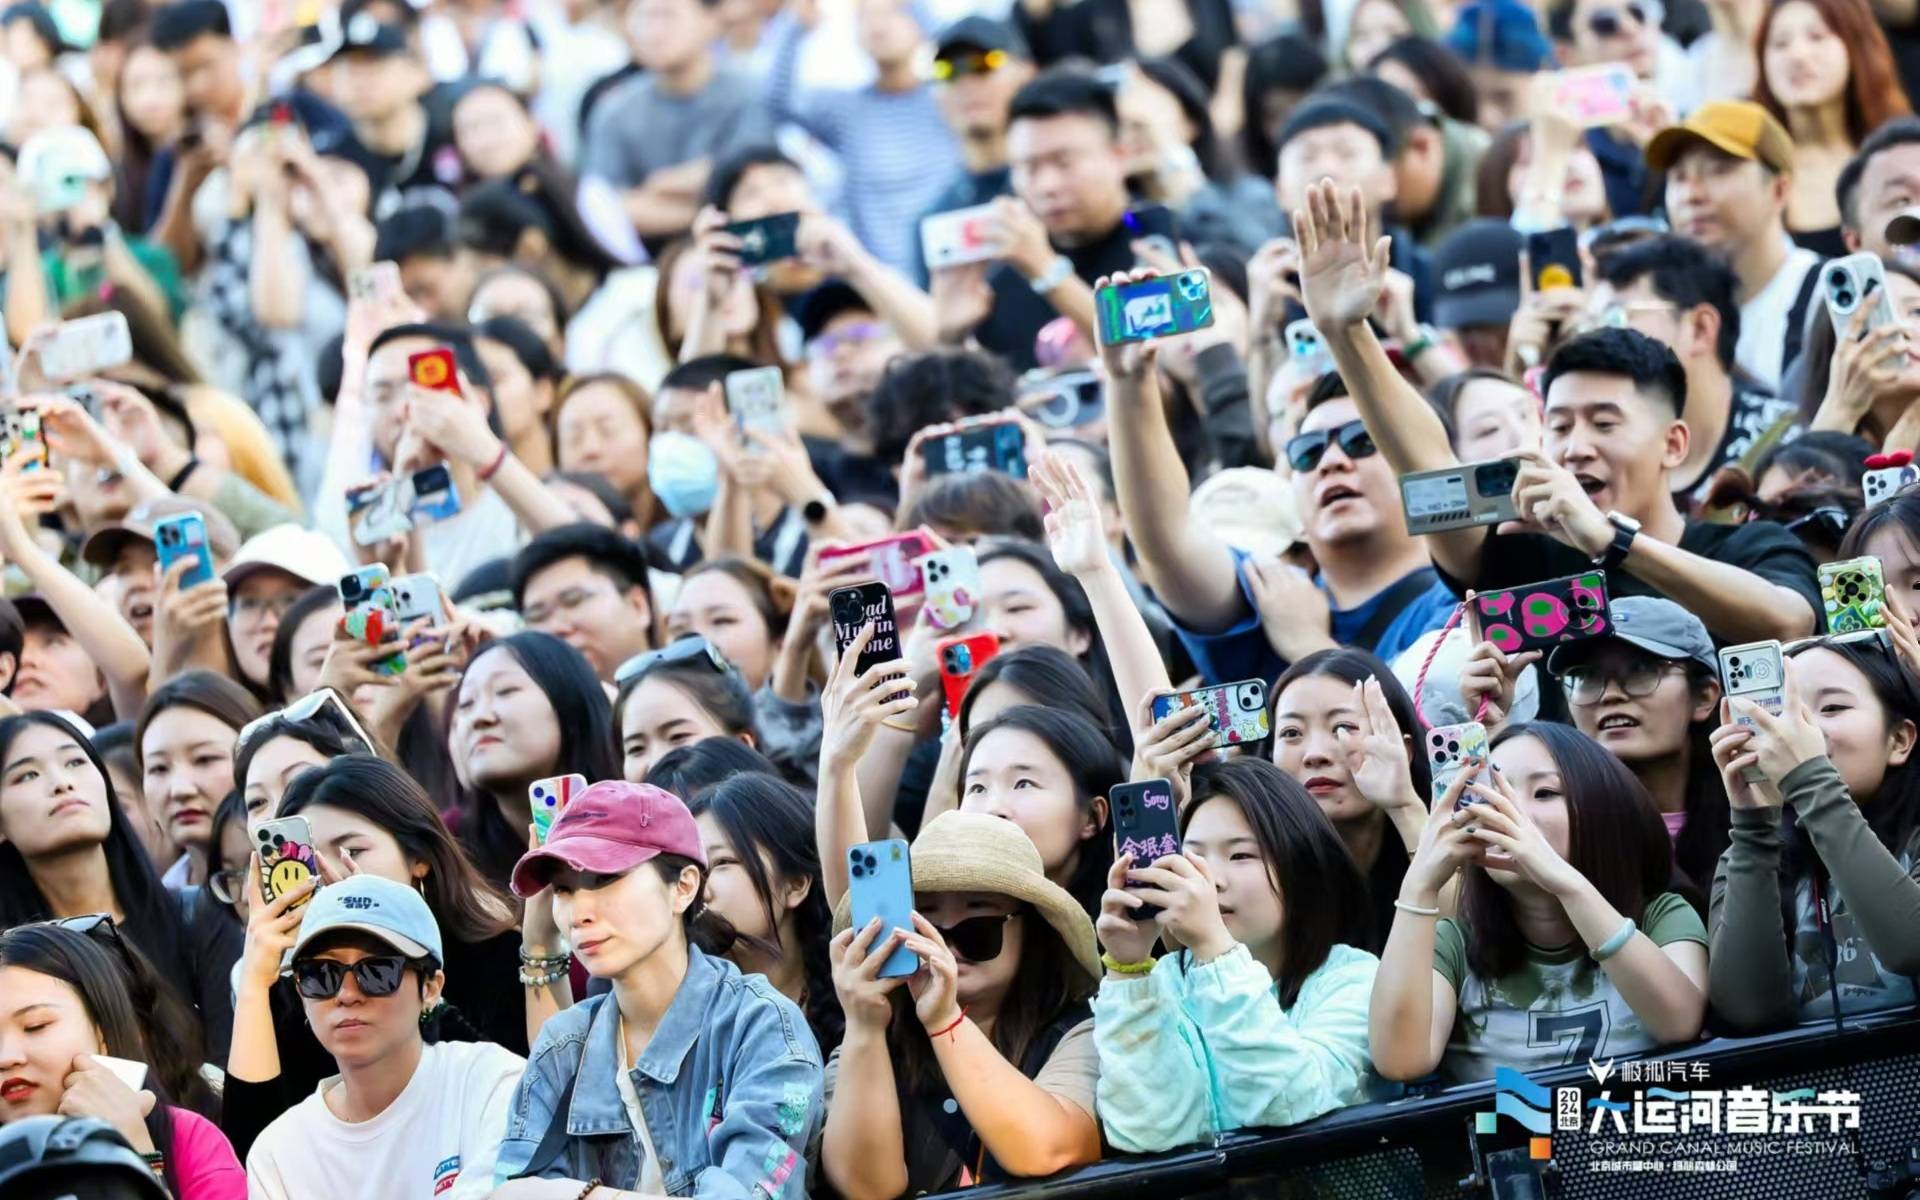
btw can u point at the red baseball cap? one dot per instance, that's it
(612, 827)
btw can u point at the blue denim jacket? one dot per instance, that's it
(730, 1086)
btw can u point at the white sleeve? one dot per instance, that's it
(263, 1173)
(491, 1082)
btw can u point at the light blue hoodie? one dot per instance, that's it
(1187, 1053)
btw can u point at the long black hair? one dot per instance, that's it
(686, 771)
(761, 814)
(323, 731)
(722, 695)
(110, 986)
(586, 742)
(1079, 615)
(280, 658)
(1323, 898)
(1050, 678)
(153, 919)
(1094, 764)
(1615, 838)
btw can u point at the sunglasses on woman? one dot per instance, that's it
(1305, 450)
(977, 939)
(323, 705)
(377, 975)
(692, 648)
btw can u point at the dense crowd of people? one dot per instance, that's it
(731, 598)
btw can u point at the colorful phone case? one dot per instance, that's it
(1554, 257)
(357, 586)
(287, 857)
(880, 883)
(374, 620)
(436, 370)
(951, 580)
(1883, 483)
(997, 446)
(1449, 749)
(1236, 711)
(890, 560)
(1145, 826)
(960, 660)
(1163, 306)
(184, 535)
(547, 797)
(854, 607)
(1854, 592)
(1544, 614)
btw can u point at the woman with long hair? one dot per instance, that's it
(1568, 945)
(301, 643)
(1259, 1017)
(528, 707)
(1828, 75)
(980, 1066)
(740, 607)
(1346, 730)
(1816, 910)
(367, 818)
(763, 880)
(623, 872)
(71, 993)
(66, 850)
(151, 105)
(1026, 599)
(183, 742)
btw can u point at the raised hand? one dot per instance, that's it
(1343, 269)
(1490, 677)
(1074, 532)
(1377, 753)
(1784, 741)
(1735, 756)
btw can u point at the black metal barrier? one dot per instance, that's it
(1427, 1145)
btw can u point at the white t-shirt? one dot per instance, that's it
(1763, 319)
(651, 1182)
(437, 1139)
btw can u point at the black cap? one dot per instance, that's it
(981, 33)
(81, 1154)
(826, 302)
(1320, 111)
(363, 32)
(1477, 271)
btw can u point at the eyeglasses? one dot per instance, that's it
(690, 649)
(1586, 684)
(1605, 22)
(377, 975)
(858, 333)
(572, 598)
(1305, 450)
(977, 939)
(307, 708)
(953, 66)
(225, 884)
(254, 608)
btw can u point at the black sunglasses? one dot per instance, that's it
(978, 939)
(692, 648)
(1305, 450)
(321, 978)
(1605, 22)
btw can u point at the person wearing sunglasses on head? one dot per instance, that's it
(682, 693)
(402, 1117)
(688, 1077)
(1598, 494)
(980, 1067)
(79, 1020)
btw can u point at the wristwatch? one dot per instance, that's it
(815, 510)
(1058, 272)
(1625, 529)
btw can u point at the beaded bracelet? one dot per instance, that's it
(542, 960)
(588, 1190)
(1143, 967)
(542, 979)
(156, 1162)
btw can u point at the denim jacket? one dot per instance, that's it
(1192, 1051)
(729, 1085)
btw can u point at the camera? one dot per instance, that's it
(959, 659)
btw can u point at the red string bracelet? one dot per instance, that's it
(949, 1029)
(487, 472)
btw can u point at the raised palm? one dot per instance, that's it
(1342, 268)
(1074, 532)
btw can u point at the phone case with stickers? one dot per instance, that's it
(1237, 712)
(1449, 749)
(547, 797)
(1854, 592)
(951, 580)
(1542, 615)
(287, 856)
(1459, 497)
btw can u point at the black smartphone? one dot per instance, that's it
(854, 607)
(1145, 826)
(767, 239)
(1554, 259)
(998, 446)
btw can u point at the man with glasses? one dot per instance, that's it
(1599, 493)
(401, 1117)
(1679, 293)
(587, 586)
(1240, 617)
(979, 64)
(848, 348)
(270, 571)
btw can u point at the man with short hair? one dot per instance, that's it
(848, 348)
(435, 273)
(587, 586)
(399, 114)
(979, 64)
(1729, 167)
(1879, 192)
(1434, 157)
(1598, 494)
(1681, 295)
(402, 1116)
(656, 136)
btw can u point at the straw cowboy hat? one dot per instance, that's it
(972, 852)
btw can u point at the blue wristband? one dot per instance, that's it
(1607, 949)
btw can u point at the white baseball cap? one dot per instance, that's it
(303, 553)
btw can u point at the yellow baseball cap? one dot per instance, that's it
(1737, 127)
